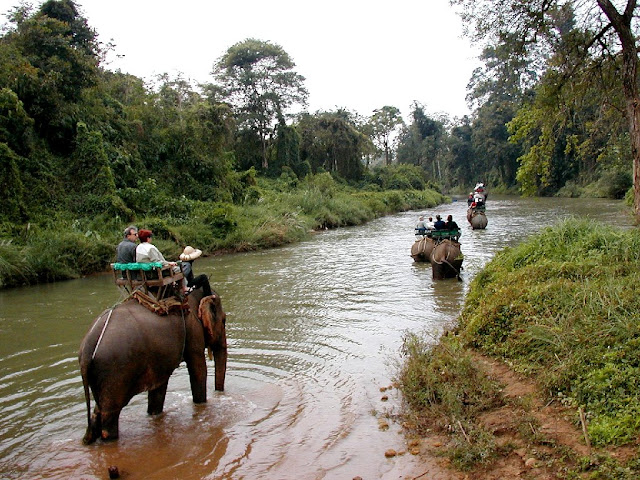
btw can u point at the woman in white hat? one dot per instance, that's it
(188, 256)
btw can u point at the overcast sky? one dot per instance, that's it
(355, 54)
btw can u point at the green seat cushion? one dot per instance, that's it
(137, 266)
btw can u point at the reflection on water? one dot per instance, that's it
(314, 331)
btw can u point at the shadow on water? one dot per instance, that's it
(314, 330)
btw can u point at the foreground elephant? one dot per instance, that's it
(129, 350)
(446, 260)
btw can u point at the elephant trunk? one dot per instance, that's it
(221, 368)
(213, 322)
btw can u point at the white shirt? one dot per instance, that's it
(147, 252)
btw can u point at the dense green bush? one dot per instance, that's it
(54, 256)
(561, 306)
(614, 184)
(398, 177)
(12, 207)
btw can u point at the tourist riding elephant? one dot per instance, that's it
(129, 350)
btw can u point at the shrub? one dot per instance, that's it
(570, 190)
(446, 391)
(614, 184)
(559, 307)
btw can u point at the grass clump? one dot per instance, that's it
(445, 391)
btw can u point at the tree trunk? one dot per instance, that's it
(633, 113)
(265, 162)
(622, 26)
(386, 151)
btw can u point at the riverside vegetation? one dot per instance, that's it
(59, 245)
(560, 309)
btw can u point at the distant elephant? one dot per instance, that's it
(129, 350)
(477, 219)
(422, 248)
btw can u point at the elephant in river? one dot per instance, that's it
(446, 260)
(129, 350)
(477, 219)
(421, 249)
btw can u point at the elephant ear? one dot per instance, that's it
(205, 314)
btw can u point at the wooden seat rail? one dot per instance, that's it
(159, 279)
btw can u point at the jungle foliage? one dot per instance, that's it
(80, 143)
(85, 151)
(554, 103)
(566, 75)
(541, 125)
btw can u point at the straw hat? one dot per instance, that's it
(190, 253)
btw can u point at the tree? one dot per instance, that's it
(384, 123)
(258, 80)
(188, 140)
(422, 143)
(49, 59)
(602, 31)
(570, 135)
(495, 157)
(330, 142)
(12, 205)
(287, 152)
(461, 168)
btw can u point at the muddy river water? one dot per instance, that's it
(315, 332)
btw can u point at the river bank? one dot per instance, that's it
(60, 246)
(538, 378)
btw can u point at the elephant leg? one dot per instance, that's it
(220, 358)
(155, 399)
(198, 377)
(110, 422)
(94, 427)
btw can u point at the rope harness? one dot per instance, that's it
(101, 334)
(164, 306)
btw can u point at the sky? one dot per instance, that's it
(358, 55)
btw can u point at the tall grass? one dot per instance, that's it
(52, 256)
(564, 306)
(446, 392)
(59, 246)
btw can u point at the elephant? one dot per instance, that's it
(477, 219)
(446, 260)
(421, 249)
(129, 350)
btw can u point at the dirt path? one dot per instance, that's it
(537, 440)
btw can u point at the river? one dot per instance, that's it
(315, 331)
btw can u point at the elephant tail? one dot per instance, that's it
(92, 426)
(87, 393)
